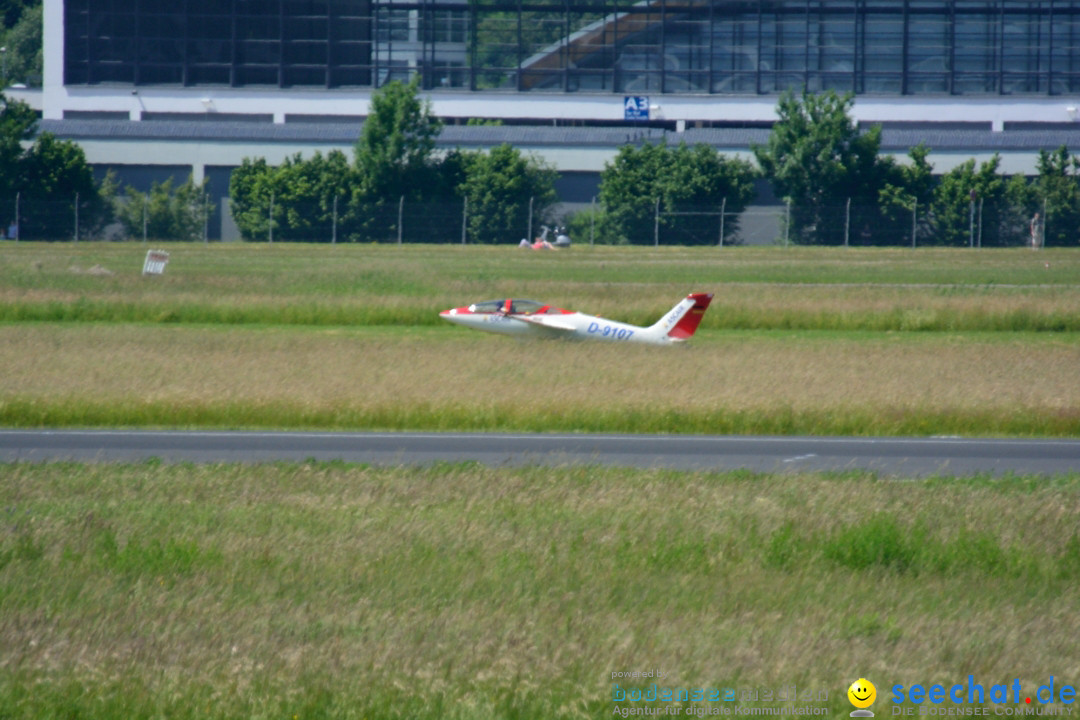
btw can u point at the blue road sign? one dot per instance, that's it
(636, 107)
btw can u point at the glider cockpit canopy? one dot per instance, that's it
(525, 307)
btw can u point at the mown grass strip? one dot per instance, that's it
(756, 288)
(720, 316)
(42, 412)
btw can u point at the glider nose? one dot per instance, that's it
(454, 315)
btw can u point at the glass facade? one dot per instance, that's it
(904, 47)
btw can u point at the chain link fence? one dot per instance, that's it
(754, 226)
(23, 218)
(975, 225)
(403, 221)
(79, 219)
(76, 219)
(384, 220)
(380, 221)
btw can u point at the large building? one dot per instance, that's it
(910, 48)
(160, 89)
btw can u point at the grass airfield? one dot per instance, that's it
(329, 590)
(797, 341)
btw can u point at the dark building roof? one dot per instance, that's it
(327, 133)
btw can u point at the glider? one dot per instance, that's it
(530, 318)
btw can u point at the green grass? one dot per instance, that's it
(335, 590)
(774, 288)
(418, 269)
(458, 591)
(34, 413)
(732, 317)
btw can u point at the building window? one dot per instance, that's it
(394, 25)
(920, 47)
(449, 26)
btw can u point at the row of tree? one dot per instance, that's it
(497, 192)
(834, 177)
(687, 184)
(830, 172)
(45, 169)
(394, 161)
(48, 190)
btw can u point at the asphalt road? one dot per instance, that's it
(909, 457)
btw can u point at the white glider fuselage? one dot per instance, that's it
(530, 318)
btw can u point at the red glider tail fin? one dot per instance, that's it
(688, 323)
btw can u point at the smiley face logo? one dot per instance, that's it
(862, 693)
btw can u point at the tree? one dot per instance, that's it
(818, 159)
(23, 57)
(1021, 203)
(48, 177)
(499, 186)
(1057, 192)
(54, 176)
(17, 123)
(909, 190)
(11, 11)
(251, 187)
(630, 188)
(54, 167)
(394, 157)
(698, 179)
(165, 213)
(594, 225)
(303, 193)
(310, 194)
(972, 206)
(682, 179)
(394, 154)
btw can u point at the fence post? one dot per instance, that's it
(271, 217)
(847, 222)
(723, 206)
(914, 220)
(206, 218)
(1045, 224)
(145, 203)
(592, 223)
(400, 213)
(980, 222)
(530, 235)
(17, 215)
(787, 222)
(464, 218)
(76, 217)
(334, 221)
(656, 224)
(971, 221)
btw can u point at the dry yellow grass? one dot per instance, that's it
(348, 372)
(207, 354)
